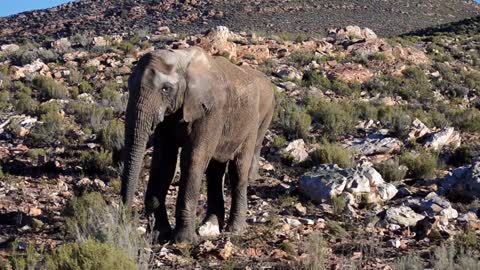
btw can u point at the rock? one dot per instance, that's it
(351, 32)
(328, 181)
(100, 41)
(141, 230)
(350, 72)
(26, 123)
(84, 182)
(418, 130)
(9, 48)
(259, 52)
(61, 45)
(446, 136)
(394, 243)
(217, 42)
(402, 215)
(288, 72)
(226, 250)
(208, 229)
(462, 183)
(369, 48)
(293, 222)
(302, 210)
(36, 66)
(375, 144)
(433, 205)
(34, 211)
(99, 184)
(412, 55)
(297, 151)
(163, 30)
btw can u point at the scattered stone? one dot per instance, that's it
(375, 144)
(462, 183)
(293, 222)
(301, 210)
(288, 72)
(394, 243)
(9, 48)
(328, 181)
(208, 229)
(446, 136)
(297, 151)
(418, 130)
(402, 215)
(34, 211)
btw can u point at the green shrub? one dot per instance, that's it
(75, 77)
(463, 155)
(96, 162)
(4, 100)
(335, 228)
(53, 129)
(279, 142)
(337, 119)
(89, 217)
(410, 262)
(396, 120)
(465, 120)
(89, 115)
(313, 78)
(112, 135)
(50, 88)
(317, 249)
(47, 56)
(332, 154)
(422, 165)
(48, 107)
(34, 153)
(78, 212)
(126, 46)
(391, 170)
(85, 87)
(111, 96)
(293, 120)
(28, 261)
(341, 88)
(89, 255)
(301, 58)
(26, 104)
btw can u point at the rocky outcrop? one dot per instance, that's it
(328, 181)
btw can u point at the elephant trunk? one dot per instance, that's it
(138, 127)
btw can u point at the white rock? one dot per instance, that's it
(394, 243)
(293, 222)
(446, 136)
(9, 48)
(402, 215)
(297, 150)
(386, 191)
(208, 229)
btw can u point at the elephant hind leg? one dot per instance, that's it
(238, 172)
(262, 130)
(214, 219)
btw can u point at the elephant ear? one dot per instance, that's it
(200, 79)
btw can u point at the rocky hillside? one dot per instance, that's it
(372, 160)
(107, 17)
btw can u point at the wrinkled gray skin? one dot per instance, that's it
(217, 113)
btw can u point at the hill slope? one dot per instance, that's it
(389, 17)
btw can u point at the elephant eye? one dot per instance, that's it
(166, 88)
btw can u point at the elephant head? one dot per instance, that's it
(162, 83)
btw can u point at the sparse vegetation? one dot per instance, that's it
(391, 170)
(328, 153)
(421, 165)
(50, 88)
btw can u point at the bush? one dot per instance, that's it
(96, 162)
(293, 120)
(391, 170)
(410, 262)
(332, 154)
(301, 58)
(4, 100)
(53, 129)
(112, 135)
(112, 97)
(89, 255)
(26, 104)
(422, 165)
(317, 79)
(396, 120)
(462, 155)
(47, 55)
(85, 87)
(89, 217)
(89, 115)
(50, 88)
(337, 119)
(318, 253)
(279, 142)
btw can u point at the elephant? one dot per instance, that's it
(217, 113)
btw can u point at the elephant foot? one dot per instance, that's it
(209, 227)
(236, 227)
(162, 234)
(185, 235)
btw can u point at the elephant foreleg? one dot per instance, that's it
(162, 172)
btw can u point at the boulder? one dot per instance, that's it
(350, 72)
(411, 55)
(446, 136)
(351, 32)
(100, 41)
(36, 66)
(327, 181)
(61, 45)
(9, 48)
(462, 183)
(375, 144)
(288, 72)
(217, 42)
(297, 151)
(418, 129)
(402, 215)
